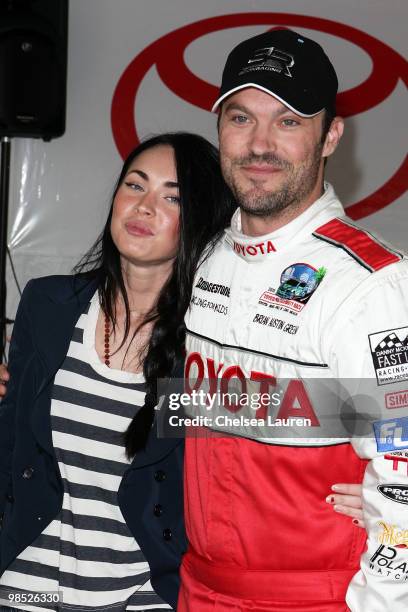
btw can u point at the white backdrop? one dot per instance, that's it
(60, 190)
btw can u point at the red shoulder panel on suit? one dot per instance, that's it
(359, 243)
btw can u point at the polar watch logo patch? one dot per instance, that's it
(389, 351)
(387, 561)
(395, 492)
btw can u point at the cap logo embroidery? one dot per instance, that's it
(270, 58)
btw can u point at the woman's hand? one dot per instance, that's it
(346, 499)
(4, 377)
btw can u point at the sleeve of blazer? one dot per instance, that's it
(21, 349)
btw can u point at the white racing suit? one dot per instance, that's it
(317, 299)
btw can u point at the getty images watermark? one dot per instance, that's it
(264, 407)
(258, 408)
(234, 402)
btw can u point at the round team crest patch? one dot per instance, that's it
(299, 281)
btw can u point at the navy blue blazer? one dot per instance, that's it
(151, 491)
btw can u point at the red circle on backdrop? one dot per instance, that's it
(167, 54)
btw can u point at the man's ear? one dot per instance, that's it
(333, 136)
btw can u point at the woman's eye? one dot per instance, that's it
(173, 199)
(134, 186)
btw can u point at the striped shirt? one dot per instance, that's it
(87, 553)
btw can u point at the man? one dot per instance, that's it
(294, 291)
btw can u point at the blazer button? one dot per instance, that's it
(159, 476)
(10, 498)
(167, 535)
(158, 510)
(28, 472)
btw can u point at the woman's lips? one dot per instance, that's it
(138, 229)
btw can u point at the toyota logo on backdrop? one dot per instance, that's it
(167, 55)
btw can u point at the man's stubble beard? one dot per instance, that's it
(294, 190)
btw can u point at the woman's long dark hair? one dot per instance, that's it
(206, 206)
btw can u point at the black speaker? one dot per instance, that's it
(33, 67)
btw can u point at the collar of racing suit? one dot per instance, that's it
(257, 248)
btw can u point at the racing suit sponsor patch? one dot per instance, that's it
(269, 298)
(215, 306)
(391, 434)
(395, 492)
(398, 459)
(398, 399)
(206, 285)
(253, 250)
(387, 561)
(389, 351)
(393, 535)
(298, 282)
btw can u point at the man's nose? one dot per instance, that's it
(262, 139)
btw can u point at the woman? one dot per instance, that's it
(84, 351)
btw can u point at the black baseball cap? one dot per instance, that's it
(292, 68)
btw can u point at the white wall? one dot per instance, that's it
(60, 190)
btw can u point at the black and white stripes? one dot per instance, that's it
(88, 552)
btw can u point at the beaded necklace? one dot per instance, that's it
(107, 347)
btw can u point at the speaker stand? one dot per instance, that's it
(4, 203)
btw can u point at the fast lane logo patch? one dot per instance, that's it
(389, 351)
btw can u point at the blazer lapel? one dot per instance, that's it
(54, 324)
(163, 438)
(156, 449)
